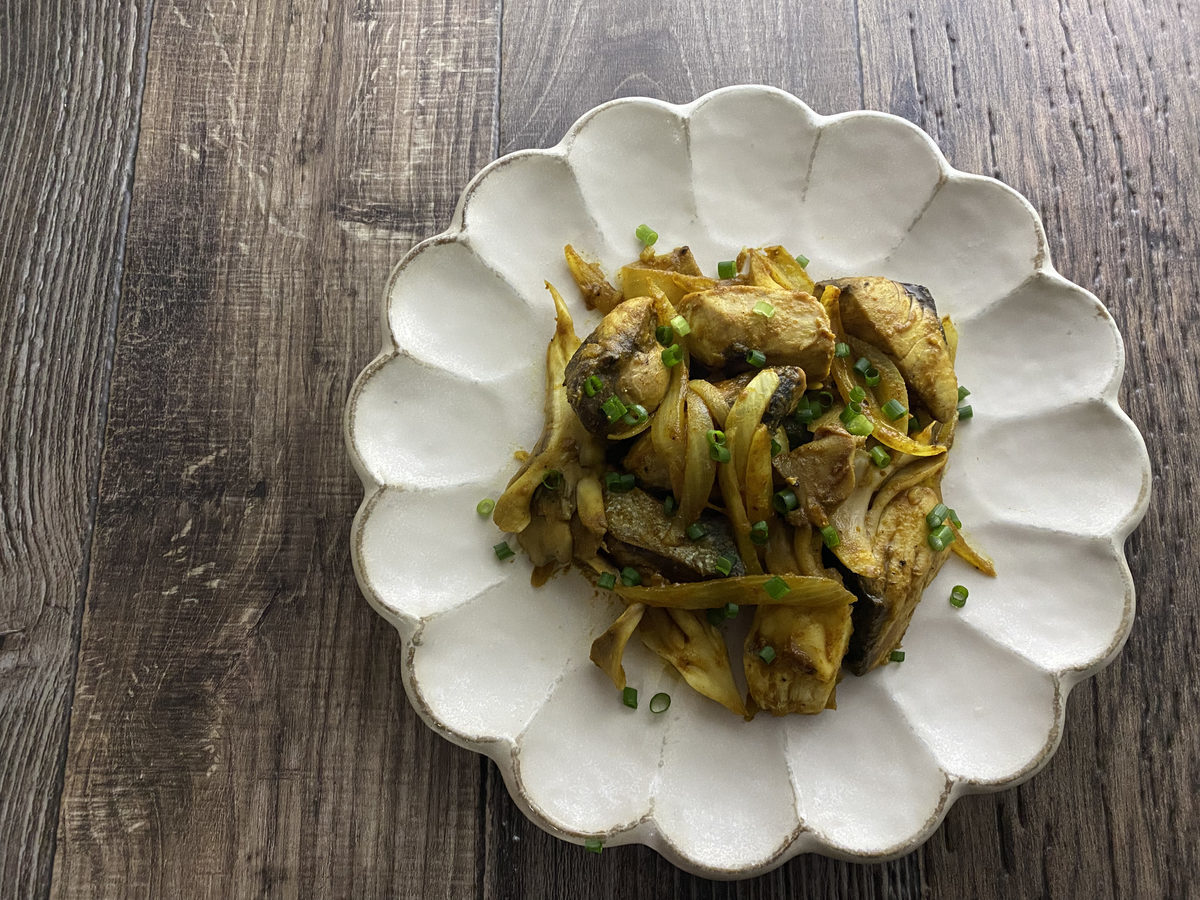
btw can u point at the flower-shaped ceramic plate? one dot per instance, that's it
(1050, 476)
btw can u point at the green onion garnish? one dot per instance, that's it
(767, 654)
(716, 446)
(871, 377)
(726, 268)
(764, 309)
(896, 656)
(730, 610)
(593, 845)
(958, 596)
(618, 483)
(776, 588)
(880, 457)
(857, 394)
(965, 412)
(629, 697)
(593, 385)
(715, 616)
(941, 537)
(614, 409)
(724, 565)
(670, 504)
(893, 409)
(937, 515)
(672, 356)
(485, 506)
(848, 413)
(630, 577)
(503, 551)
(636, 415)
(695, 531)
(759, 533)
(841, 350)
(665, 335)
(963, 393)
(830, 536)
(913, 425)
(776, 448)
(552, 480)
(607, 580)
(646, 235)
(805, 412)
(660, 702)
(860, 425)
(681, 326)
(803, 260)
(785, 501)
(861, 365)
(953, 517)
(756, 358)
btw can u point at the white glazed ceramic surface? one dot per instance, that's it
(1050, 476)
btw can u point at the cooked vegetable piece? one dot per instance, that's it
(696, 649)
(609, 648)
(725, 328)
(808, 645)
(593, 285)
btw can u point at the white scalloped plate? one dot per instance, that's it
(1050, 475)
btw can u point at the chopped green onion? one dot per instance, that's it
(695, 531)
(965, 412)
(958, 596)
(759, 533)
(871, 377)
(629, 697)
(672, 356)
(552, 480)
(855, 407)
(716, 446)
(503, 551)
(485, 506)
(724, 564)
(764, 309)
(614, 409)
(630, 577)
(756, 358)
(670, 504)
(841, 350)
(776, 588)
(937, 515)
(730, 610)
(767, 654)
(880, 457)
(805, 412)
(826, 399)
(913, 425)
(941, 538)
(803, 260)
(893, 409)
(830, 536)
(618, 483)
(646, 235)
(963, 393)
(857, 394)
(848, 413)
(776, 448)
(860, 425)
(861, 365)
(593, 845)
(607, 580)
(660, 702)
(726, 268)
(681, 326)
(665, 335)
(715, 616)
(593, 385)
(785, 501)
(896, 656)
(953, 517)
(636, 415)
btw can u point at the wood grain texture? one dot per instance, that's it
(239, 727)
(70, 83)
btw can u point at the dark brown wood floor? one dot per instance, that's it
(199, 203)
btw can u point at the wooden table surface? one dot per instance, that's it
(199, 203)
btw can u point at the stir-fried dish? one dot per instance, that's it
(755, 445)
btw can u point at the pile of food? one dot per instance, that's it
(754, 440)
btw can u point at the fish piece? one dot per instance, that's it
(807, 646)
(782, 404)
(725, 328)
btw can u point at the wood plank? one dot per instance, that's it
(70, 83)
(1089, 111)
(240, 728)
